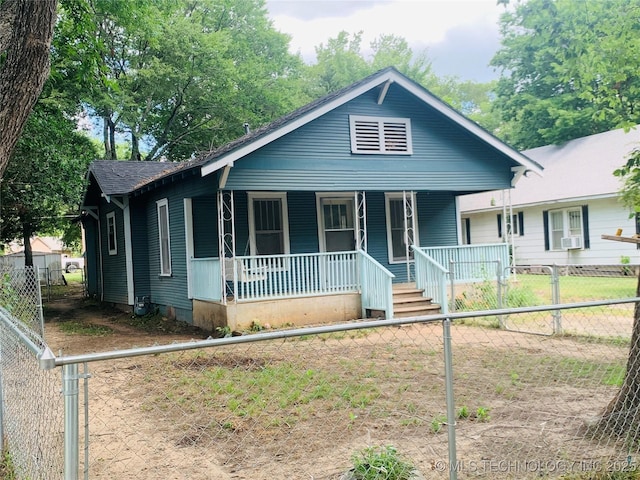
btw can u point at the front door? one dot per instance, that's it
(337, 234)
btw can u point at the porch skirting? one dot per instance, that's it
(277, 313)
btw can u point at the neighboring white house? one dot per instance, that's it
(559, 218)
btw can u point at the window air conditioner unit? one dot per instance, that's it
(571, 243)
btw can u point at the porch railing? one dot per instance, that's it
(285, 276)
(472, 263)
(432, 278)
(206, 283)
(376, 286)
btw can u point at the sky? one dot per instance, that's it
(460, 36)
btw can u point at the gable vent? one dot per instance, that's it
(380, 135)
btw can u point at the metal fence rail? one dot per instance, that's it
(464, 394)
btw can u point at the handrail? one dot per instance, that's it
(376, 284)
(431, 277)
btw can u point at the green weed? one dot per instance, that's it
(382, 463)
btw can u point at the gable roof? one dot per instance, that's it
(578, 169)
(241, 147)
(122, 177)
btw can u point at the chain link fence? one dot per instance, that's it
(469, 395)
(30, 402)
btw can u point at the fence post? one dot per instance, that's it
(500, 292)
(70, 392)
(451, 409)
(452, 275)
(555, 299)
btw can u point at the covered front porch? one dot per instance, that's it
(310, 288)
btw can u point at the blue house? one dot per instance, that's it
(323, 215)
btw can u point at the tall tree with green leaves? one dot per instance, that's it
(185, 76)
(341, 62)
(44, 181)
(569, 69)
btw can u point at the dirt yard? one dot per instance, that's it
(522, 401)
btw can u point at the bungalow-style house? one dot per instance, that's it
(313, 218)
(560, 218)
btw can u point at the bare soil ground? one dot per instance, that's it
(158, 417)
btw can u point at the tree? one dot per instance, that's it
(569, 69)
(341, 62)
(26, 30)
(184, 76)
(44, 181)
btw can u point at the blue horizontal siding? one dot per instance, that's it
(318, 155)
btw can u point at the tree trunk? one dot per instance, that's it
(25, 69)
(135, 148)
(622, 415)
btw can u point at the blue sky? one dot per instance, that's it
(460, 36)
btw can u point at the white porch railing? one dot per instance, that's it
(432, 278)
(376, 286)
(286, 276)
(471, 263)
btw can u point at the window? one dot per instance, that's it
(268, 224)
(566, 229)
(516, 224)
(396, 232)
(338, 224)
(112, 242)
(466, 231)
(164, 237)
(384, 135)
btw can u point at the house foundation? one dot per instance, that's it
(277, 313)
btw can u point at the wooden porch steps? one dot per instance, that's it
(409, 302)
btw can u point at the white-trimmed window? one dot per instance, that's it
(397, 229)
(164, 237)
(268, 223)
(112, 240)
(380, 135)
(566, 229)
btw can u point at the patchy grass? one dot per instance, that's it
(7, 471)
(74, 327)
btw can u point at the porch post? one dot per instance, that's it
(226, 240)
(361, 221)
(409, 228)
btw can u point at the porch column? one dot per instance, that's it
(226, 240)
(361, 221)
(408, 200)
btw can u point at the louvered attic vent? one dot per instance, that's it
(376, 135)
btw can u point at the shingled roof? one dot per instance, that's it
(123, 177)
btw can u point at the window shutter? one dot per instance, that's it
(499, 225)
(545, 224)
(521, 223)
(585, 225)
(467, 223)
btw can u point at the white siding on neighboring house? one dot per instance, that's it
(577, 175)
